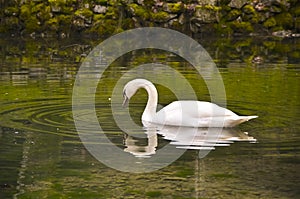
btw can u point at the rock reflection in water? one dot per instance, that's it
(202, 139)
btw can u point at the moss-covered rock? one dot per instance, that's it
(295, 11)
(139, 11)
(98, 17)
(227, 17)
(175, 24)
(112, 13)
(222, 29)
(241, 27)
(285, 20)
(25, 12)
(99, 9)
(56, 5)
(233, 15)
(62, 2)
(262, 17)
(62, 6)
(224, 2)
(248, 9)
(127, 24)
(249, 14)
(67, 10)
(83, 19)
(206, 14)
(160, 16)
(44, 14)
(52, 24)
(101, 2)
(32, 24)
(270, 23)
(104, 27)
(176, 8)
(275, 9)
(11, 24)
(11, 11)
(84, 13)
(35, 8)
(64, 20)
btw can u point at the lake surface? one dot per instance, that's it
(42, 156)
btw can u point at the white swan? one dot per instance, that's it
(182, 113)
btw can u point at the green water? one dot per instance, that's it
(41, 155)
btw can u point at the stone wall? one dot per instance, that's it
(100, 17)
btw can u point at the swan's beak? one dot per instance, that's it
(125, 102)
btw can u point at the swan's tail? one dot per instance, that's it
(249, 117)
(239, 120)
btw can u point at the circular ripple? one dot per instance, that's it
(40, 115)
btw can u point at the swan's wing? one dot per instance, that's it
(170, 115)
(207, 109)
(191, 113)
(197, 109)
(198, 114)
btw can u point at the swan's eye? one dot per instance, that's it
(124, 93)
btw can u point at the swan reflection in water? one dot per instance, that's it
(202, 139)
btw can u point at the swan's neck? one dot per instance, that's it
(150, 109)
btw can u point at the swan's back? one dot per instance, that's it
(197, 109)
(198, 114)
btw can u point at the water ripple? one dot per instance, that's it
(40, 115)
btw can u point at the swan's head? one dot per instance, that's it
(126, 95)
(131, 88)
